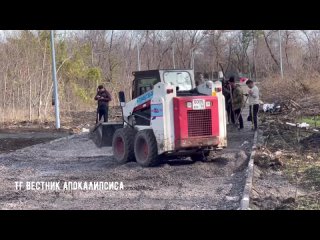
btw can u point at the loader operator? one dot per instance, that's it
(237, 101)
(199, 79)
(103, 97)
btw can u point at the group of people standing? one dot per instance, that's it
(235, 102)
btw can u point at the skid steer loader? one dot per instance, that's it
(168, 116)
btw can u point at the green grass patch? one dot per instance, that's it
(313, 121)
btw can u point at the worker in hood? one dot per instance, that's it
(103, 97)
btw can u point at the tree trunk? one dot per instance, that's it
(41, 81)
(47, 101)
(270, 51)
(13, 106)
(5, 93)
(109, 57)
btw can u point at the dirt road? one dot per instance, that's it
(172, 185)
(13, 139)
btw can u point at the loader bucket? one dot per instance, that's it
(102, 133)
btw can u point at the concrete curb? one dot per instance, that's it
(244, 204)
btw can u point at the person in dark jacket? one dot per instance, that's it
(103, 97)
(226, 90)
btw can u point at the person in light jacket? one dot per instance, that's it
(253, 95)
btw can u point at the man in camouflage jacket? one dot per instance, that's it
(237, 101)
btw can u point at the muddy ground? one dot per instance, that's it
(19, 134)
(13, 139)
(287, 166)
(177, 184)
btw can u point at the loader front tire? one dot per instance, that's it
(146, 149)
(122, 145)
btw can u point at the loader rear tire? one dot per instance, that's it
(122, 145)
(146, 149)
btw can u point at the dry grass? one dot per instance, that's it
(9, 116)
(291, 87)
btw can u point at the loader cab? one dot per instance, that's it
(145, 80)
(181, 79)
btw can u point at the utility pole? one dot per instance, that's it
(174, 63)
(55, 83)
(138, 49)
(192, 58)
(281, 69)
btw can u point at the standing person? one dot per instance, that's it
(205, 77)
(198, 78)
(103, 97)
(253, 95)
(226, 91)
(237, 101)
(201, 79)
